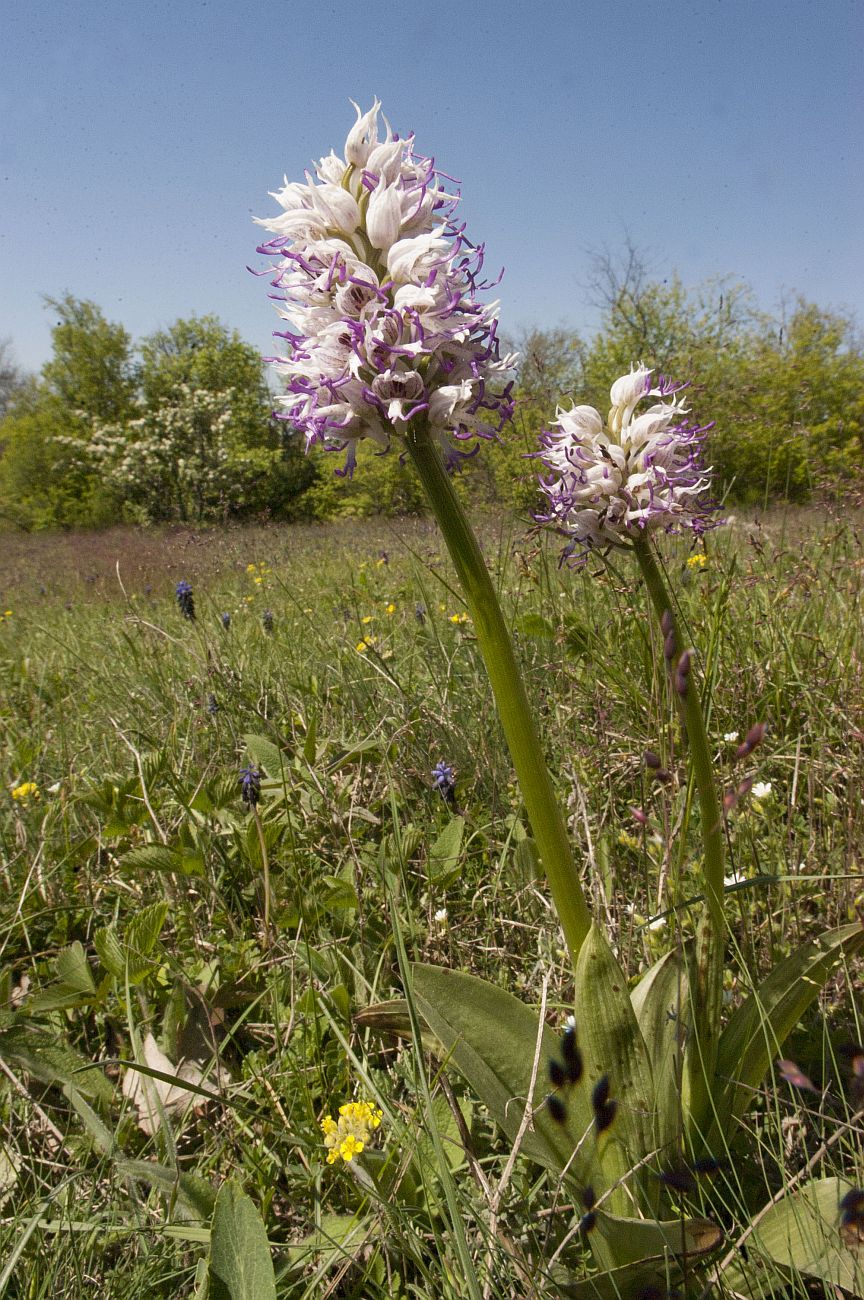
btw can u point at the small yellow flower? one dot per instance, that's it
(390, 610)
(697, 561)
(362, 646)
(346, 1138)
(459, 618)
(24, 793)
(367, 618)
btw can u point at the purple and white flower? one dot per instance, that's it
(379, 287)
(639, 472)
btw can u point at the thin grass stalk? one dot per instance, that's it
(514, 710)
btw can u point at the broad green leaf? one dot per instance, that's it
(445, 852)
(240, 1264)
(639, 1239)
(491, 1038)
(110, 953)
(758, 1029)
(265, 754)
(145, 927)
(659, 1002)
(612, 1043)
(152, 857)
(801, 1234)
(53, 1062)
(339, 1237)
(99, 1132)
(194, 1192)
(73, 970)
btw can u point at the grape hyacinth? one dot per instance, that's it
(225, 620)
(267, 621)
(250, 785)
(379, 287)
(640, 472)
(444, 780)
(185, 599)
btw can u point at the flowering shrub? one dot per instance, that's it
(182, 460)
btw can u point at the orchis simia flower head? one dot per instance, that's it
(639, 472)
(379, 286)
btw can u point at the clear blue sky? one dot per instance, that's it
(138, 139)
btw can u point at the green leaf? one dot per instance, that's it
(758, 1029)
(339, 1237)
(240, 1264)
(654, 1267)
(194, 1192)
(110, 953)
(145, 927)
(801, 1233)
(445, 852)
(73, 971)
(535, 625)
(491, 1038)
(152, 857)
(53, 1062)
(265, 754)
(659, 1002)
(612, 1043)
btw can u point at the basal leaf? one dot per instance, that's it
(758, 1029)
(491, 1038)
(240, 1264)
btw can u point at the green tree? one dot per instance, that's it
(91, 371)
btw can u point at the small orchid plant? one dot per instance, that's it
(388, 339)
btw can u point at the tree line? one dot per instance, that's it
(180, 428)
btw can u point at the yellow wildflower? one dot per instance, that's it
(362, 646)
(697, 561)
(346, 1138)
(390, 610)
(24, 793)
(367, 618)
(459, 618)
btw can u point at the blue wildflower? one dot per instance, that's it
(444, 780)
(185, 599)
(250, 785)
(225, 620)
(267, 621)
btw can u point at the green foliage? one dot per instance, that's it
(240, 1263)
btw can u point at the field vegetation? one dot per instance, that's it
(160, 911)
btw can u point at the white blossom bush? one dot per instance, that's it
(184, 460)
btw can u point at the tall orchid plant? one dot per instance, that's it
(388, 339)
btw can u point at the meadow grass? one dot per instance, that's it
(133, 724)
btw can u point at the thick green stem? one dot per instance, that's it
(517, 721)
(706, 999)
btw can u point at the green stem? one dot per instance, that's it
(706, 1000)
(517, 721)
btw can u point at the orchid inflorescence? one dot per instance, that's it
(639, 472)
(379, 285)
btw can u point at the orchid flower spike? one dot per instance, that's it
(379, 288)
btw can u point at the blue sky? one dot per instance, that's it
(137, 141)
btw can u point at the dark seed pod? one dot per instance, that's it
(572, 1055)
(588, 1222)
(670, 645)
(589, 1198)
(652, 760)
(667, 623)
(709, 1165)
(679, 1180)
(604, 1115)
(556, 1108)
(600, 1092)
(557, 1074)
